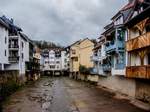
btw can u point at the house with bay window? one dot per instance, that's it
(99, 58)
(138, 43)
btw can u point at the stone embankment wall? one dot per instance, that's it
(9, 83)
(33, 76)
(85, 77)
(136, 88)
(143, 90)
(118, 84)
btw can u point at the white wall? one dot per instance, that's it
(52, 61)
(64, 60)
(26, 51)
(103, 53)
(41, 62)
(119, 83)
(58, 65)
(3, 45)
(22, 50)
(13, 66)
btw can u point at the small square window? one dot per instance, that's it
(5, 53)
(22, 55)
(76, 59)
(5, 40)
(22, 45)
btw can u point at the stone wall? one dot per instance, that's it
(93, 78)
(136, 88)
(119, 84)
(33, 76)
(143, 90)
(6, 76)
(9, 82)
(88, 77)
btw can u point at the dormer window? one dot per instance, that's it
(119, 20)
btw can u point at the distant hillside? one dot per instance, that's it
(45, 44)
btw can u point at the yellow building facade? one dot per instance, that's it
(80, 53)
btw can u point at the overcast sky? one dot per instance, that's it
(61, 21)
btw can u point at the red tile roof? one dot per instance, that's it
(130, 5)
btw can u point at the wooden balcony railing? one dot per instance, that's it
(13, 59)
(138, 72)
(138, 42)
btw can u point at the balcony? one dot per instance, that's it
(138, 42)
(13, 37)
(120, 66)
(13, 47)
(13, 59)
(106, 68)
(114, 46)
(94, 71)
(94, 58)
(138, 72)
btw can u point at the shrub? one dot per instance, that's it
(83, 69)
(8, 88)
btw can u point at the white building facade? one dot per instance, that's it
(14, 47)
(55, 59)
(3, 44)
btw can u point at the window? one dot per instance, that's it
(46, 62)
(22, 55)
(5, 53)
(22, 45)
(5, 40)
(57, 62)
(65, 60)
(73, 52)
(76, 59)
(52, 66)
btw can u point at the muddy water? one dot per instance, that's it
(66, 95)
(46, 95)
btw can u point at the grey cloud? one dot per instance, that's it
(61, 21)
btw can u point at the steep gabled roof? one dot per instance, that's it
(4, 24)
(128, 9)
(143, 15)
(77, 42)
(25, 37)
(10, 24)
(128, 6)
(87, 39)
